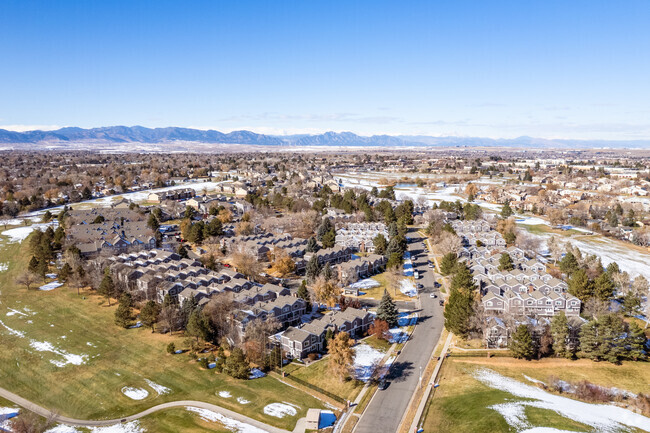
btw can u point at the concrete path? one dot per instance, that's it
(46, 413)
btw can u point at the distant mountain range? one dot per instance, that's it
(171, 137)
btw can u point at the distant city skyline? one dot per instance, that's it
(552, 69)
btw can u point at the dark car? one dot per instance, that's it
(382, 385)
(442, 302)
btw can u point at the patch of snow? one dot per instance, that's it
(212, 365)
(397, 335)
(8, 412)
(62, 428)
(365, 361)
(19, 234)
(137, 325)
(129, 427)
(51, 275)
(367, 283)
(135, 393)
(408, 288)
(160, 389)
(4, 267)
(242, 400)
(229, 423)
(12, 331)
(256, 373)
(280, 410)
(178, 351)
(13, 312)
(50, 286)
(530, 379)
(601, 417)
(69, 358)
(225, 394)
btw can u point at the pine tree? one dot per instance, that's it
(458, 312)
(107, 288)
(380, 244)
(65, 272)
(327, 273)
(387, 310)
(602, 339)
(636, 341)
(149, 315)
(505, 262)
(581, 286)
(560, 333)
(521, 345)
(462, 279)
(604, 287)
(569, 264)
(325, 227)
(506, 210)
(153, 223)
(236, 365)
(448, 263)
(328, 240)
(198, 326)
(312, 270)
(124, 312)
(312, 245)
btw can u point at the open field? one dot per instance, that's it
(465, 403)
(95, 359)
(378, 292)
(319, 375)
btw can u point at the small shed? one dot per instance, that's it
(313, 418)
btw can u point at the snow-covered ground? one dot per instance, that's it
(50, 286)
(367, 283)
(8, 412)
(225, 394)
(160, 389)
(242, 400)
(602, 417)
(365, 360)
(135, 393)
(4, 267)
(229, 423)
(280, 410)
(129, 427)
(19, 234)
(407, 287)
(408, 265)
(68, 358)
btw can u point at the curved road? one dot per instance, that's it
(39, 410)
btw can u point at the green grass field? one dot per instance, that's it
(378, 292)
(113, 358)
(461, 403)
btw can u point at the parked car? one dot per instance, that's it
(442, 302)
(433, 295)
(419, 286)
(382, 385)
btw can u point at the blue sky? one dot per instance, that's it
(569, 69)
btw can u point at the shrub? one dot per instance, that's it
(171, 348)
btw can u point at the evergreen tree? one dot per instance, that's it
(303, 294)
(312, 245)
(613, 269)
(631, 303)
(569, 264)
(380, 244)
(392, 228)
(124, 312)
(213, 228)
(636, 341)
(153, 223)
(65, 272)
(395, 261)
(521, 345)
(397, 244)
(182, 251)
(325, 227)
(505, 262)
(149, 315)
(603, 338)
(198, 326)
(327, 273)
(236, 365)
(312, 270)
(506, 210)
(462, 279)
(604, 287)
(33, 265)
(329, 239)
(387, 310)
(560, 334)
(107, 288)
(581, 286)
(448, 263)
(458, 312)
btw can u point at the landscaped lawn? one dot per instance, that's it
(112, 358)
(319, 375)
(379, 344)
(378, 292)
(180, 420)
(462, 403)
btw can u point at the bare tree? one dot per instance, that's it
(245, 261)
(28, 279)
(448, 243)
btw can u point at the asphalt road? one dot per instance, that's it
(387, 407)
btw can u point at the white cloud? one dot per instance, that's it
(23, 128)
